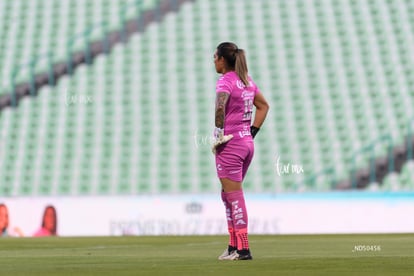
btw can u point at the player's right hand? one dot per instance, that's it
(220, 139)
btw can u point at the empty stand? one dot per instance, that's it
(138, 121)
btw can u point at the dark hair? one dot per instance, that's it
(54, 230)
(235, 59)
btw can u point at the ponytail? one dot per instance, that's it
(235, 59)
(241, 66)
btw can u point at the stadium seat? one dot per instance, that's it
(391, 183)
(31, 29)
(138, 120)
(407, 176)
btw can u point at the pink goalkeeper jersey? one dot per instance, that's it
(239, 106)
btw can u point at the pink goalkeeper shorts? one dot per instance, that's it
(234, 157)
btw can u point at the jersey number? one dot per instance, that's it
(248, 109)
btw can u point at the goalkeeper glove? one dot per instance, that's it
(220, 138)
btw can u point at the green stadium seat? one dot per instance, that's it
(407, 176)
(332, 90)
(391, 183)
(40, 28)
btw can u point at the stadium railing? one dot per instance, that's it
(33, 82)
(85, 37)
(410, 137)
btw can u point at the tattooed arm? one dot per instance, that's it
(220, 138)
(221, 101)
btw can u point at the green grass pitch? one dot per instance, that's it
(388, 254)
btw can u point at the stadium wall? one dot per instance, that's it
(344, 212)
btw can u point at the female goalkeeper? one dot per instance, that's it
(236, 94)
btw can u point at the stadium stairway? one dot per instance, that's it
(383, 170)
(102, 46)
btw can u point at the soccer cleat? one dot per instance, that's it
(241, 255)
(245, 257)
(228, 253)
